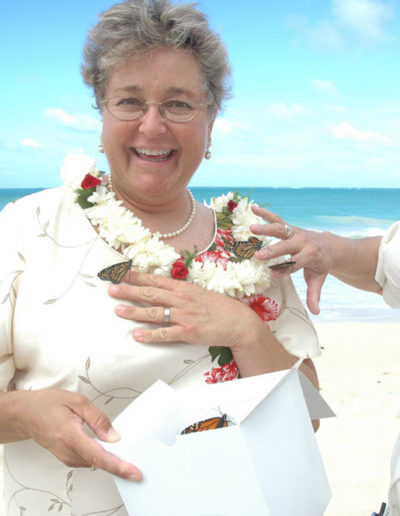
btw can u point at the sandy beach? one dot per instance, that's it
(359, 374)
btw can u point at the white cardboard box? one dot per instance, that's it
(266, 464)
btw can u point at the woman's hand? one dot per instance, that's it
(196, 315)
(55, 419)
(200, 316)
(351, 260)
(309, 249)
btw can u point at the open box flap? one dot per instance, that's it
(267, 464)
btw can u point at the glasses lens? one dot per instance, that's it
(126, 108)
(178, 110)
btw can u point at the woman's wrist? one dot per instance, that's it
(260, 352)
(13, 410)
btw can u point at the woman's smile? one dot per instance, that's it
(153, 155)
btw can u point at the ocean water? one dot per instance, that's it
(348, 212)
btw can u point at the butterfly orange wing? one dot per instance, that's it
(207, 424)
(115, 273)
(243, 249)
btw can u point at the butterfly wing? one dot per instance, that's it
(116, 272)
(207, 424)
(244, 249)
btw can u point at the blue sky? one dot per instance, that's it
(316, 93)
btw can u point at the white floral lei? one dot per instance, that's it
(119, 227)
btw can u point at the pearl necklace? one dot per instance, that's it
(178, 231)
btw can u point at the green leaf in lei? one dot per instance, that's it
(222, 353)
(224, 219)
(188, 257)
(83, 195)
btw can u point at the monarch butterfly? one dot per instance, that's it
(243, 249)
(207, 424)
(116, 272)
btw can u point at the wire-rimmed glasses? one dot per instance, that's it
(131, 108)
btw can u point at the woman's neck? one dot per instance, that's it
(169, 216)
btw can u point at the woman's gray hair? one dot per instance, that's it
(136, 27)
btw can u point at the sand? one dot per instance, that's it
(359, 372)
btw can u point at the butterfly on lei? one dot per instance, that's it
(243, 249)
(115, 273)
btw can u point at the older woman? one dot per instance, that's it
(175, 271)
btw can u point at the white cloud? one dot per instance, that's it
(323, 34)
(78, 122)
(285, 111)
(325, 86)
(365, 17)
(33, 144)
(347, 131)
(360, 21)
(223, 126)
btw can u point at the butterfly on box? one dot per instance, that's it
(115, 273)
(207, 424)
(243, 249)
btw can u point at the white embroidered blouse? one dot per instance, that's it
(58, 330)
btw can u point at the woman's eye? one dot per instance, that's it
(178, 105)
(129, 101)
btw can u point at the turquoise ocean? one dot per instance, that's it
(348, 212)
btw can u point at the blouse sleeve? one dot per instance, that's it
(11, 267)
(293, 328)
(388, 269)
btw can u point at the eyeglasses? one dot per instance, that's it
(130, 108)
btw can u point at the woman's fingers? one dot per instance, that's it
(56, 418)
(95, 456)
(91, 451)
(186, 312)
(267, 215)
(315, 282)
(282, 248)
(279, 230)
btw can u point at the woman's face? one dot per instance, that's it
(151, 156)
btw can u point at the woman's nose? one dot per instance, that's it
(152, 123)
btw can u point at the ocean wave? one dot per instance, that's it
(351, 226)
(354, 221)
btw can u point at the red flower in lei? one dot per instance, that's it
(179, 270)
(213, 257)
(231, 205)
(90, 181)
(222, 236)
(226, 373)
(265, 307)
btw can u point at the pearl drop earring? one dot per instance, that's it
(101, 148)
(207, 154)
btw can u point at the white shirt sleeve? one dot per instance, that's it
(388, 269)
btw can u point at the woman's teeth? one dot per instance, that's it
(153, 154)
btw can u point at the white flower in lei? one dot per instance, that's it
(214, 269)
(75, 167)
(242, 218)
